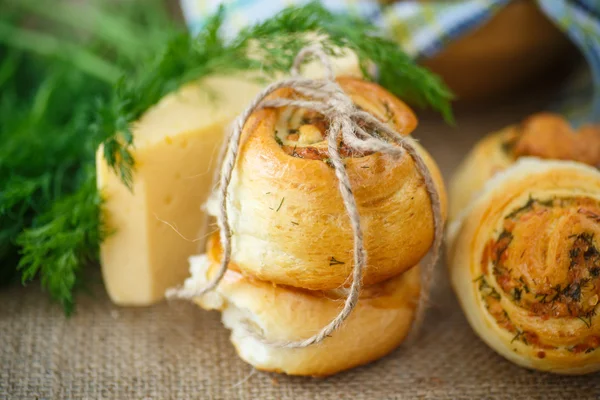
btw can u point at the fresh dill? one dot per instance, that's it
(573, 254)
(333, 261)
(53, 70)
(65, 238)
(517, 293)
(486, 289)
(573, 291)
(268, 47)
(541, 297)
(278, 139)
(280, 204)
(525, 287)
(527, 206)
(518, 336)
(62, 97)
(587, 320)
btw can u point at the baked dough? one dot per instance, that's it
(543, 135)
(378, 324)
(525, 263)
(289, 223)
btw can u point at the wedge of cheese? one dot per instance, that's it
(157, 225)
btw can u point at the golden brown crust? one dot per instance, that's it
(373, 98)
(525, 265)
(384, 312)
(303, 133)
(298, 232)
(550, 136)
(543, 135)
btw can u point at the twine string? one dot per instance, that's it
(326, 97)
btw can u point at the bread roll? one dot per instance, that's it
(289, 224)
(542, 135)
(525, 263)
(378, 324)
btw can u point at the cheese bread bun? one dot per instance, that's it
(288, 220)
(543, 135)
(524, 261)
(378, 324)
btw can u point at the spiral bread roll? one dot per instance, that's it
(544, 135)
(379, 323)
(288, 221)
(524, 240)
(525, 264)
(316, 256)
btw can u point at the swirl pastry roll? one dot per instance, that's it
(525, 264)
(385, 312)
(544, 135)
(288, 221)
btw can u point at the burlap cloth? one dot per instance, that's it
(177, 351)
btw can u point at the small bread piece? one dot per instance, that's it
(288, 220)
(378, 324)
(524, 261)
(543, 135)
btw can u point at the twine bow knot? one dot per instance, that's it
(326, 97)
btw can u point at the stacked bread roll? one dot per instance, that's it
(292, 244)
(524, 244)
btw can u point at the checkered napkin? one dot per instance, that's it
(424, 28)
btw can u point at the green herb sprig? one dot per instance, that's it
(61, 98)
(53, 70)
(269, 47)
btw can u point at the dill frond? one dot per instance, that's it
(61, 98)
(53, 70)
(268, 47)
(61, 241)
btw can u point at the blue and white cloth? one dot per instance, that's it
(425, 28)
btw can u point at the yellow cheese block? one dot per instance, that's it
(157, 226)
